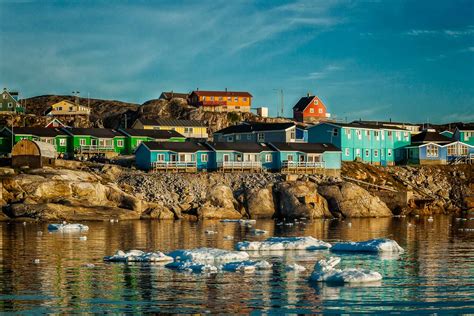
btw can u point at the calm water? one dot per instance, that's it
(436, 274)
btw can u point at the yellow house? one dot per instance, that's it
(66, 107)
(188, 128)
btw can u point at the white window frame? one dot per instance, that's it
(376, 153)
(311, 110)
(358, 152)
(237, 137)
(119, 142)
(389, 152)
(268, 157)
(367, 153)
(346, 152)
(335, 132)
(82, 141)
(260, 137)
(204, 157)
(320, 111)
(62, 142)
(359, 134)
(432, 151)
(290, 157)
(347, 132)
(399, 135)
(160, 157)
(377, 135)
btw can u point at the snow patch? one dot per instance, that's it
(283, 243)
(373, 245)
(138, 256)
(325, 271)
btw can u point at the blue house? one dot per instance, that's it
(301, 134)
(306, 157)
(369, 143)
(251, 132)
(174, 156)
(242, 156)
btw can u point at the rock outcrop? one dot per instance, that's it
(350, 200)
(220, 204)
(260, 203)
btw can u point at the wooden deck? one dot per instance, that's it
(303, 167)
(231, 166)
(173, 166)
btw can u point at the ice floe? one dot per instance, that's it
(283, 243)
(210, 232)
(246, 266)
(373, 245)
(191, 266)
(228, 237)
(259, 232)
(208, 255)
(325, 271)
(67, 227)
(138, 256)
(295, 268)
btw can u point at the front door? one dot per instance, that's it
(226, 158)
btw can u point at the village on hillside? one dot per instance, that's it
(312, 141)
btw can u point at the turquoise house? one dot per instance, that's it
(174, 156)
(369, 143)
(243, 156)
(464, 133)
(306, 156)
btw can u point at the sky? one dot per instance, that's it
(401, 60)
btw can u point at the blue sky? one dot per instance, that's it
(405, 60)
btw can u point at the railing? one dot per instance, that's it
(188, 166)
(302, 164)
(95, 148)
(239, 164)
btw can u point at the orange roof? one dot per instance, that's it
(222, 93)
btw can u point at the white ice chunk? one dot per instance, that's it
(373, 245)
(295, 267)
(207, 255)
(230, 220)
(325, 271)
(229, 237)
(138, 256)
(67, 227)
(259, 232)
(284, 243)
(247, 221)
(246, 266)
(191, 266)
(210, 232)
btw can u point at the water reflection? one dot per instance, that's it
(435, 271)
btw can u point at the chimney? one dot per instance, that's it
(225, 89)
(308, 94)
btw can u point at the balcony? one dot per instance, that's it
(302, 166)
(239, 165)
(174, 166)
(212, 103)
(95, 149)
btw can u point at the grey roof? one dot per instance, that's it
(186, 147)
(39, 131)
(316, 148)
(171, 122)
(152, 133)
(240, 147)
(95, 132)
(168, 95)
(46, 149)
(255, 127)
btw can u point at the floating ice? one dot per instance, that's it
(37, 261)
(229, 237)
(208, 255)
(230, 220)
(325, 271)
(430, 219)
(191, 266)
(138, 256)
(246, 266)
(247, 221)
(67, 227)
(295, 268)
(284, 243)
(259, 232)
(83, 238)
(210, 232)
(373, 245)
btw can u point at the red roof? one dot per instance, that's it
(222, 93)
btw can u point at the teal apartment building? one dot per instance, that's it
(369, 143)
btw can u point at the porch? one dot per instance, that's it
(239, 166)
(304, 167)
(173, 166)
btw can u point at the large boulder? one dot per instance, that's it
(220, 204)
(350, 200)
(300, 199)
(260, 203)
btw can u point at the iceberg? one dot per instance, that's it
(246, 266)
(138, 256)
(247, 221)
(208, 255)
(295, 268)
(283, 243)
(373, 245)
(190, 266)
(259, 232)
(325, 271)
(67, 227)
(210, 232)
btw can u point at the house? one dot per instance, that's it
(447, 133)
(187, 128)
(252, 132)
(306, 158)
(221, 101)
(134, 137)
(55, 123)
(242, 156)
(430, 147)
(369, 143)
(464, 133)
(173, 156)
(310, 109)
(66, 107)
(168, 96)
(96, 141)
(33, 154)
(9, 102)
(54, 136)
(301, 133)
(413, 128)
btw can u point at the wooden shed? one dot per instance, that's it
(34, 154)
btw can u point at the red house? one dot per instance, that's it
(310, 109)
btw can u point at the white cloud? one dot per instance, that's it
(446, 32)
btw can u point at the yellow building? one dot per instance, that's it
(66, 107)
(221, 101)
(188, 128)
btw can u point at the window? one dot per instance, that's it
(292, 135)
(467, 135)
(204, 98)
(289, 157)
(10, 104)
(358, 152)
(238, 157)
(249, 136)
(367, 153)
(82, 141)
(230, 138)
(316, 102)
(399, 136)
(260, 137)
(311, 110)
(389, 152)
(212, 98)
(359, 134)
(236, 99)
(244, 99)
(188, 130)
(405, 136)
(346, 152)
(62, 142)
(320, 111)
(335, 132)
(383, 135)
(204, 157)
(160, 157)
(268, 157)
(367, 133)
(229, 99)
(4, 96)
(221, 98)
(376, 134)
(119, 142)
(376, 153)
(237, 137)
(389, 134)
(237, 107)
(70, 109)
(432, 150)
(347, 132)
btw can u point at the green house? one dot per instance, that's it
(134, 137)
(465, 133)
(55, 136)
(9, 102)
(91, 141)
(369, 143)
